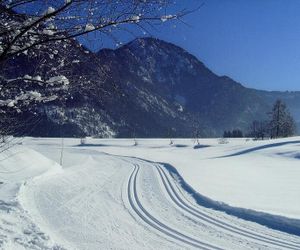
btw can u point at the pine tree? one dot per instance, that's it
(282, 123)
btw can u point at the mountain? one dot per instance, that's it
(215, 103)
(146, 88)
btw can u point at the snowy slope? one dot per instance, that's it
(263, 175)
(113, 195)
(17, 229)
(146, 88)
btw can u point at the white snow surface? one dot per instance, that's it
(109, 194)
(17, 229)
(266, 179)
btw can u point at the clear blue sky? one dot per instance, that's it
(255, 42)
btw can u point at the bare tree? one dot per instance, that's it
(197, 134)
(258, 129)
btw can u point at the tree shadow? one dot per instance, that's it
(272, 145)
(198, 146)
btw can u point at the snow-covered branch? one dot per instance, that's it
(55, 21)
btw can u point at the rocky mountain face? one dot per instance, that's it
(208, 101)
(147, 88)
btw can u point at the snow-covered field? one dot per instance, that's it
(109, 194)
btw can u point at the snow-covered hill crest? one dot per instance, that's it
(207, 200)
(19, 166)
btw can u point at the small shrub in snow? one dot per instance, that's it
(82, 141)
(3, 139)
(223, 141)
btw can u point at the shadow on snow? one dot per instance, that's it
(277, 222)
(278, 144)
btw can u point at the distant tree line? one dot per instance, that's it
(236, 133)
(280, 123)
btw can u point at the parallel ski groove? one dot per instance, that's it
(154, 222)
(202, 216)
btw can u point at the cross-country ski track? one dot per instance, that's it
(130, 203)
(195, 214)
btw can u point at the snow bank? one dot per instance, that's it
(18, 165)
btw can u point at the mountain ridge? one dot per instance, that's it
(150, 88)
(151, 38)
